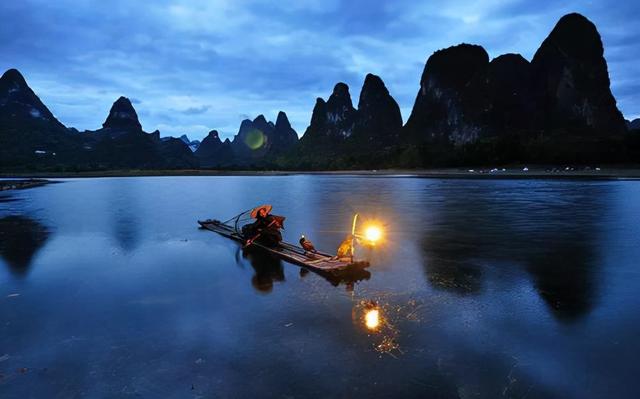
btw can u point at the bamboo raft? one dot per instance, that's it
(317, 261)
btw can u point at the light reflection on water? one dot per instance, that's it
(483, 289)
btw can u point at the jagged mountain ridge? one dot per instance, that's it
(464, 97)
(121, 143)
(257, 142)
(341, 134)
(257, 139)
(468, 108)
(30, 136)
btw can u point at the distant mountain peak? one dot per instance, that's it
(449, 103)
(340, 111)
(213, 135)
(122, 115)
(378, 120)
(575, 36)
(572, 78)
(455, 66)
(282, 121)
(511, 57)
(284, 136)
(13, 76)
(245, 124)
(373, 87)
(372, 80)
(319, 113)
(339, 101)
(341, 90)
(575, 20)
(260, 119)
(19, 102)
(214, 153)
(261, 123)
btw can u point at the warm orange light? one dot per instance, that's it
(373, 234)
(372, 319)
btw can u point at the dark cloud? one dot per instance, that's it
(196, 65)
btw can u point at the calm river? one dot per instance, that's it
(485, 288)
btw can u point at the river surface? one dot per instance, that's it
(485, 289)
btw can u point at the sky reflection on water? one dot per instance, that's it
(485, 288)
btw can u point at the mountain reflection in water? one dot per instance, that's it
(20, 239)
(549, 233)
(124, 213)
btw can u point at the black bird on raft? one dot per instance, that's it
(307, 245)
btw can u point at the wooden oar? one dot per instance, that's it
(251, 240)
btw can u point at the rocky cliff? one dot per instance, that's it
(464, 97)
(571, 79)
(331, 121)
(378, 120)
(452, 102)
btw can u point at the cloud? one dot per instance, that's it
(194, 66)
(196, 110)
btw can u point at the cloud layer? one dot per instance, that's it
(198, 65)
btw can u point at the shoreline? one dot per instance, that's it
(604, 173)
(22, 184)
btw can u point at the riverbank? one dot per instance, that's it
(517, 172)
(22, 184)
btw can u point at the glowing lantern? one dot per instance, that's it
(373, 234)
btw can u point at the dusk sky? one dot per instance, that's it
(193, 66)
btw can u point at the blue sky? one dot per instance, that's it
(193, 66)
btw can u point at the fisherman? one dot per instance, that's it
(266, 229)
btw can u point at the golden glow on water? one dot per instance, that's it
(372, 319)
(381, 318)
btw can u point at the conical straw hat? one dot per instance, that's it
(254, 212)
